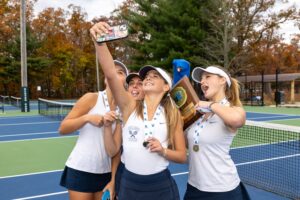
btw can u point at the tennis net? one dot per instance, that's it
(54, 109)
(15, 101)
(267, 156)
(2, 102)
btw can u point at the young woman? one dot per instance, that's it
(88, 168)
(150, 127)
(113, 141)
(212, 173)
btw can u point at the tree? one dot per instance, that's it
(163, 30)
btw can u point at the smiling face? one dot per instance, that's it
(154, 82)
(135, 88)
(213, 86)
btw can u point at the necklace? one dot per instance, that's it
(200, 124)
(150, 125)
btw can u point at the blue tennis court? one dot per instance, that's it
(251, 159)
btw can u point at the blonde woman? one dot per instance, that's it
(152, 130)
(212, 173)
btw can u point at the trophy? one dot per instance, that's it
(186, 98)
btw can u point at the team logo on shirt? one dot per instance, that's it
(133, 131)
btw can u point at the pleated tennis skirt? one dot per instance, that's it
(81, 181)
(148, 187)
(118, 177)
(239, 193)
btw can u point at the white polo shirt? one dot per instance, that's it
(211, 168)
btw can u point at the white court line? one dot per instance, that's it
(286, 119)
(271, 117)
(29, 116)
(177, 174)
(47, 138)
(29, 174)
(39, 133)
(273, 113)
(269, 159)
(27, 123)
(262, 144)
(43, 195)
(64, 192)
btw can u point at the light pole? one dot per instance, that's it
(24, 89)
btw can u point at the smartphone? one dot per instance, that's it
(116, 33)
(106, 195)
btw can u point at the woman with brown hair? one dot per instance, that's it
(152, 130)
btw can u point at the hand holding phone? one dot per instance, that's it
(106, 195)
(115, 33)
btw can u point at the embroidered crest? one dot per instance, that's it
(133, 131)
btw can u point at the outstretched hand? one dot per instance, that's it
(101, 28)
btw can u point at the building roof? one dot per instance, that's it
(269, 78)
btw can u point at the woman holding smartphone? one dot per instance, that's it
(113, 141)
(212, 173)
(152, 132)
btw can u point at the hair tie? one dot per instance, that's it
(169, 95)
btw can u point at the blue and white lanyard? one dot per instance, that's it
(150, 125)
(106, 104)
(200, 124)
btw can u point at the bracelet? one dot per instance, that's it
(165, 152)
(210, 105)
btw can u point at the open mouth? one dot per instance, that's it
(135, 93)
(149, 84)
(204, 88)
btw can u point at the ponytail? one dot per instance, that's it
(233, 93)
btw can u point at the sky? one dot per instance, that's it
(92, 7)
(104, 7)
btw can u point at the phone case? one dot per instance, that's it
(116, 33)
(106, 195)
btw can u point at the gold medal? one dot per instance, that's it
(196, 147)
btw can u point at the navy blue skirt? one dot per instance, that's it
(148, 187)
(118, 176)
(239, 193)
(81, 181)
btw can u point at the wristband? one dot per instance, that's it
(165, 152)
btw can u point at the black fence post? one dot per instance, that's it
(262, 88)
(277, 95)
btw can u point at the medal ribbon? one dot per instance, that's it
(106, 104)
(150, 125)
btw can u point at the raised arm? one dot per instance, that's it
(123, 99)
(234, 117)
